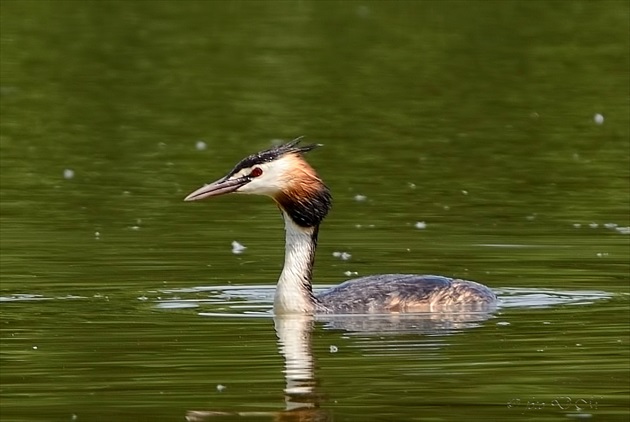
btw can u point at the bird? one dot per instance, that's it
(282, 173)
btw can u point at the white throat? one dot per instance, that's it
(293, 292)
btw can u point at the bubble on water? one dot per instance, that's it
(360, 198)
(593, 225)
(623, 230)
(276, 141)
(363, 11)
(221, 387)
(333, 348)
(610, 225)
(464, 192)
(598, 119)
(349, 273)
(68, 174)
(420, 225)
(237, 248)
(344, 256)
(577, 225)
(200, 145)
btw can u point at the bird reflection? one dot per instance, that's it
(430, 323)
(294, 341)
(294, 332)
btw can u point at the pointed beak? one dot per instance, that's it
(220, 187)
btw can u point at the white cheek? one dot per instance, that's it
(270, 182)
(260, 186)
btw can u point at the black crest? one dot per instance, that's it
(272, 154)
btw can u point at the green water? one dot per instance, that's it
(503, 126)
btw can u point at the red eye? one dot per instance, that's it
(256, 171)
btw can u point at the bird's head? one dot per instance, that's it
(281, 173)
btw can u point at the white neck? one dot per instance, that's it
(293, 294)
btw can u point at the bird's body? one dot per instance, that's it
(385, 293)
(283, 174)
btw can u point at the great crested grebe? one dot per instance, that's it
(283, 174)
